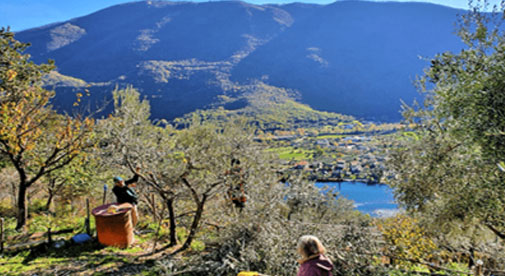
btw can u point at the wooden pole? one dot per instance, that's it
(88, 230)
(104, 194)
(1, 235)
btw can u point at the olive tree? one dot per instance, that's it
(446, 168)
(130, 140)
(75, 180)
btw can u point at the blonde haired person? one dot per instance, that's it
(313, 261)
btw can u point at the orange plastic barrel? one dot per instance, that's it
(114, 227)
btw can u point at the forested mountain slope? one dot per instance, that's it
(351, 57)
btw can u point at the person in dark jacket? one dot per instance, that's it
(313, 261)
(236, 178)
(125, 194)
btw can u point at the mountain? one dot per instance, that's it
(352, 57)
(357, 58)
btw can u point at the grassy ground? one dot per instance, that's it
(37, 257)
(76, 259)
(91, 258)
(290, 153)
(39, 221)
(329, 137)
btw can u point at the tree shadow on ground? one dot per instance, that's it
(80, 258)
(69, 250)
(130, 268)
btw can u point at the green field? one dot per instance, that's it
(290, 153)
(329, 137)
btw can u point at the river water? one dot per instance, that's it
(374, 199)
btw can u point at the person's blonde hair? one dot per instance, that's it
(309, 245)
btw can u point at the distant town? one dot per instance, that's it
(346, 152)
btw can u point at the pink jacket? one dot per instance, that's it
(317, 265)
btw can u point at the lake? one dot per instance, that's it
(376, 199)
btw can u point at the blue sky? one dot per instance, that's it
(24, 14)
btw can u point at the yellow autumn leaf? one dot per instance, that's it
(11, 74)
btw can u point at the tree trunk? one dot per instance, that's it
(14, 192)
(22, 210)
(51, 190)
(194, 226)
(49, 200)
(499, 234)
(171, 216)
